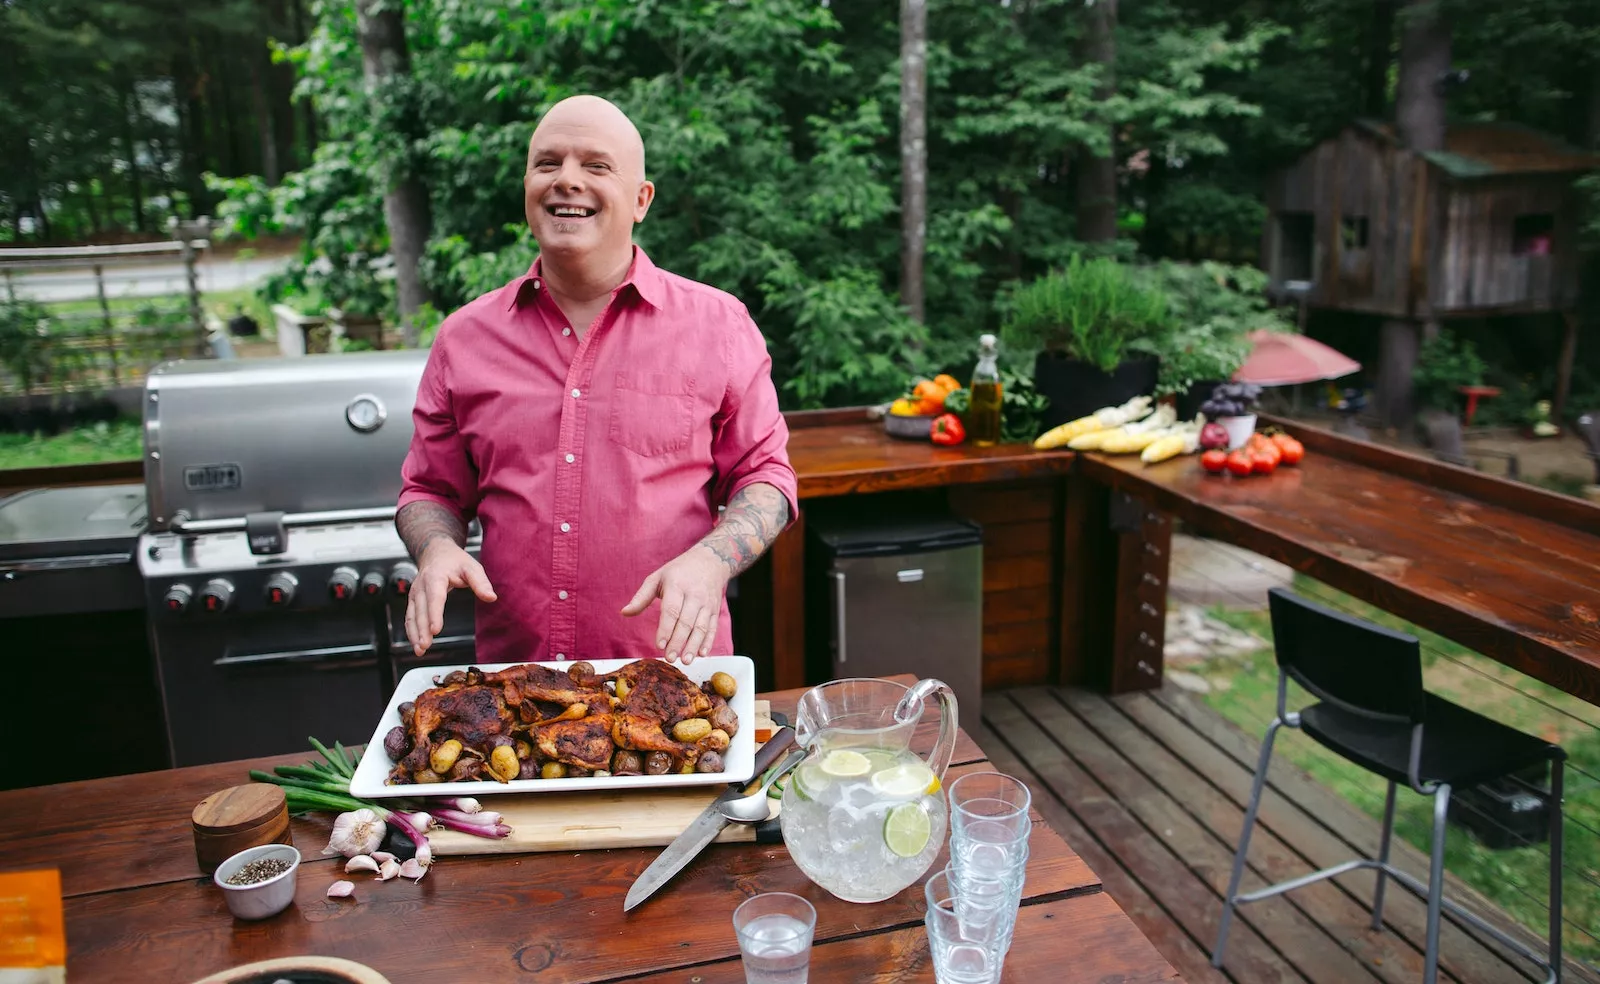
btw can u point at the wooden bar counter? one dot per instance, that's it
(138, 909)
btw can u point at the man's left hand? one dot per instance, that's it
(690, 587)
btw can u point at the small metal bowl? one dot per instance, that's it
(919, 428)
(262, 899)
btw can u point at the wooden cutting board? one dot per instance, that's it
(596, 820)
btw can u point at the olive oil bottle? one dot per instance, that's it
(983, 412)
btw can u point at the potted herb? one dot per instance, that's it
(1094, 329)
(1233, 405)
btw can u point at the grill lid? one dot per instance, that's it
(225, 439)
(101, 521)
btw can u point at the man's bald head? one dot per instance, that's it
(599, 120)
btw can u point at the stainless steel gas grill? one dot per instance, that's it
(274, 580)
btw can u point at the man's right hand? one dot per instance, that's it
(442, 566)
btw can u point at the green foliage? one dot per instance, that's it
(1021, 407)
(1444, 365)
(121, 440)
(1094, 311)
(24, 342)
(1212, 307)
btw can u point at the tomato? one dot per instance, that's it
(1292, 450)
(1267, 459)
(1240, 463)
(1214, 461)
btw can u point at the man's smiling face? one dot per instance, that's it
(584, 187)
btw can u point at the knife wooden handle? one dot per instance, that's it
(767, 755)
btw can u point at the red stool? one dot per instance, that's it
(1472, 393)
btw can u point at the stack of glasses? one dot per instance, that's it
(972, 903)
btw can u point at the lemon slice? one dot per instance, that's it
(906, 830)
(842, 763)
(904, 781)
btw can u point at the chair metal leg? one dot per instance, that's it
(1244, 841)
(1554, 805)
(1383, 858)
(1441, 806)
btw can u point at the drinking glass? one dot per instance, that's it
(775, 932)
(968, 943)
(994, 799)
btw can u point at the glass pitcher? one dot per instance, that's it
(863, 815)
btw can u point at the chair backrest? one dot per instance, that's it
(1359, 666)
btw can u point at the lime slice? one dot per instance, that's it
(906, 830)
(903, 781)
(809, 781)
(842, 763)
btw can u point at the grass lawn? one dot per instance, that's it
(1244, 689)
(117, 441)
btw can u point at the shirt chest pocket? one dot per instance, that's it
(652, 413)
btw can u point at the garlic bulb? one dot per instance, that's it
(355, 833)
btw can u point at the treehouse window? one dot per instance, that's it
(1353, 232)
(1531, 235)
(1295, 240)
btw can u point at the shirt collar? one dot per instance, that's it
(644, 276)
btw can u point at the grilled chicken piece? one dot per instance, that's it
(533, 682)
(473, 715)
(659, 696)
(585, 742)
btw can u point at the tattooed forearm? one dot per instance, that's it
(753, 519)
(420, 523)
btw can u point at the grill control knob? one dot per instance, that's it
(400, 578)
(216, 596)
(372, 584)
(342, 585)
(279, 589)
(178, 598)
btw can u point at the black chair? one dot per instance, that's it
(1372, 710)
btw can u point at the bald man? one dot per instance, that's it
(594, 414)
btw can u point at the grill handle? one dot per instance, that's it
(295, 656)
(182, 524)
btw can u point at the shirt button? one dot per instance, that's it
(537, 283)
(561, 655)
(566, 527)
(566, 331)
(576, 394)
(562, 595)
(571, 459)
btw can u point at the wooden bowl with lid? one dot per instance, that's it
(239, 817)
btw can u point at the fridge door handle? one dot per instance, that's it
(909, 576)
(838, 595)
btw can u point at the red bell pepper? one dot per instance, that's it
(947, 429)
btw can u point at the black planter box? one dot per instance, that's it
(1504, 813)
(1076, 389)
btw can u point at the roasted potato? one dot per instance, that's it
(578, 772)
(691, 729)
(397, 744)
(528, 769)
(426, 776)
(504, 764)
(524, 750)
(627, 760)
(553, 770)
(716, 741)
(722, 717)
(581, 669)
(466, 769)
(657, 764)
(709, 762)
(444, 757)
(622, 688)
(723, 684)
(601, 773)
(408, 713)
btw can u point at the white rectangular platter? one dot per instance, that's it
(738, 761)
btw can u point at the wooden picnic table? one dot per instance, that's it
(1509, 570)
(138, 909)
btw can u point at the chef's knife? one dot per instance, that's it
(706, 826)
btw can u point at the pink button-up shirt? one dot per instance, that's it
(590, 463)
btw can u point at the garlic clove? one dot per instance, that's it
(411, 869)
(360, 862)
(382, 856)
(341, 889)
(389, 869)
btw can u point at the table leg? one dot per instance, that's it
(788, 554)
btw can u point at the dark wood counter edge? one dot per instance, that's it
(1519, 650)
(61, 476)
(1521, 497)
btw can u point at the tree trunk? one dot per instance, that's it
(192, 152)
(131, 149)
(381, 27)
(222, 108)
(309, 111)
(1424, 60)
(1097, 176)
(1380, 55)
(266, 136)
(913, 151)
(1156, 238)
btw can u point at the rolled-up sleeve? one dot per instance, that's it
(437, 467)
(751, 439)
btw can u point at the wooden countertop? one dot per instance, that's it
(137, 908)
(1509, 570)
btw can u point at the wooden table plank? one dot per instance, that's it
(841, 459)
(1084, 940)
(1445, 568)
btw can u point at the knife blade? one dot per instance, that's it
(706, 826)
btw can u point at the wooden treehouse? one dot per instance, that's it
(1486, 227)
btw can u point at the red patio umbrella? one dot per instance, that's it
(1284, 359)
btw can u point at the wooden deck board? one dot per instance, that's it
(1150, 790)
